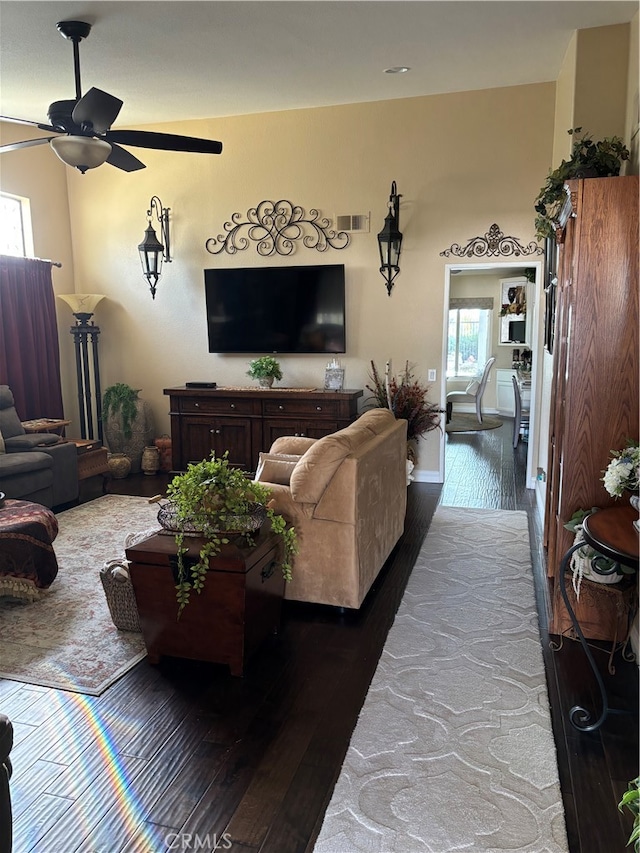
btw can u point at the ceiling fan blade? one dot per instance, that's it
(122, 159)
(29, 123)
(27, 143)
(97, 110)
(163, 141)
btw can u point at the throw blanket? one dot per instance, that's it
(28, 562)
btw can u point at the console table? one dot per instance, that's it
(245, 421)
(610, 532)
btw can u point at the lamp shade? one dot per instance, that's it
(83, 152)
(82, 304)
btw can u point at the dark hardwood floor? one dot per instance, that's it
(173, 757)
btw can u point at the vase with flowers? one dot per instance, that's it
(406, 397)
(622, 474)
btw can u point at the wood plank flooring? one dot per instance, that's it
(183, 754)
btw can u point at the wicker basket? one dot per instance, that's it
(121, 600)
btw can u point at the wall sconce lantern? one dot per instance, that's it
(390, 240)
(152, 251)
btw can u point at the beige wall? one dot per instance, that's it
(565, 98)
(461, 162)
(601, 80)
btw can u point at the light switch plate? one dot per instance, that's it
(432, 376)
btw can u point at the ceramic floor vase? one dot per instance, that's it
(142, 434)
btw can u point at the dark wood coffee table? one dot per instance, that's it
(236, 611)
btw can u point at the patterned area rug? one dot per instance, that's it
(453, 750)
(464, 422)
(66, 638)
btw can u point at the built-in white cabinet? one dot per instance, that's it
(515, 316)
(505, 397)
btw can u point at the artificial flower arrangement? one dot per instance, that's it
(623, 472)
(406, 397)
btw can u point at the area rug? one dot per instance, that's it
(66, 639)
(463, 422)
(453, 750)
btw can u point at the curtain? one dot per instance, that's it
(29, 349)
(485, 303)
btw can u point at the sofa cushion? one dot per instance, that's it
(13, 464)
(276, 467)
(317, 466)
(2, 449)
(18, 443)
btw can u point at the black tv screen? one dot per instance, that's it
(276, 309)
(517, 331)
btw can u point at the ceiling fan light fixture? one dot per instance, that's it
(81, 152)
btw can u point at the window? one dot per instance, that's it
(468, 340)
(16, 237)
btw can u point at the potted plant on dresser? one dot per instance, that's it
(265, 369)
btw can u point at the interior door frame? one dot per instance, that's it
(537, 344)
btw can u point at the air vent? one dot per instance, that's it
(351, 222)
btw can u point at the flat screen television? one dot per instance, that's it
(296, 309)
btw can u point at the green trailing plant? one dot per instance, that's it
(588, 159)
(121, 399)
(265, 367)
(631, 801)
(406, 397)
(210, 498)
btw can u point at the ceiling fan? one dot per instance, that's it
(88, 140)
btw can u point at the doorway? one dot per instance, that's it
(490, 278)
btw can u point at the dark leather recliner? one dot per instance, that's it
(36, 467)
(6, 742)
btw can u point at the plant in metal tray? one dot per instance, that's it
(265, 367)
(631, 800)
(588, 159)
(121, 399)
(214, 500)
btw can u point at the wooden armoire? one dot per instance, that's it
(594, 395)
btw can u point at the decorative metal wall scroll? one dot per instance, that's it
(493, 243)
(275, 227)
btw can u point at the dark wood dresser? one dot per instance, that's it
(245, 421)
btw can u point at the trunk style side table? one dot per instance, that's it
(229, 619)
(610, 532)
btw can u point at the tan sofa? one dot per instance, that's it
(346, 495)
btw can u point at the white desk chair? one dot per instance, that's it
(521, 419)
(473, 392)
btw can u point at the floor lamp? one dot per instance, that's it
(85, 338)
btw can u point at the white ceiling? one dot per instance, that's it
(179, 60)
